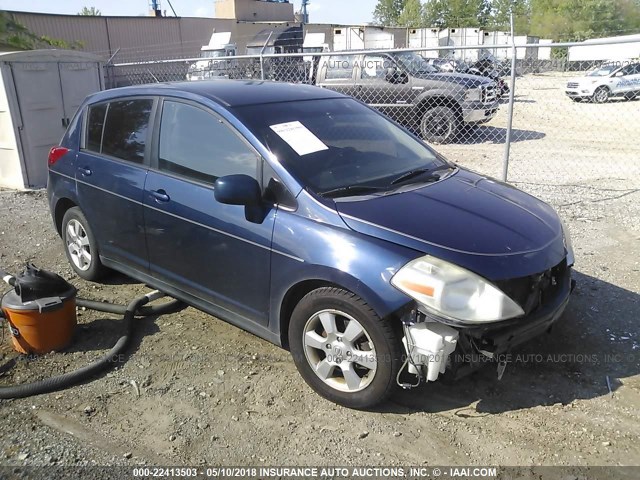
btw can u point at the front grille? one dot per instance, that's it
(489, 94)
(536, 291)
(572, 85)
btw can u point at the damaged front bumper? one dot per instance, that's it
(463, 348)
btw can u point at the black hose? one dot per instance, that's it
(135, 308)
(164, 309)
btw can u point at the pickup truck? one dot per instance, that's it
(406, 88)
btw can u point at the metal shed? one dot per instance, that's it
(40, 91)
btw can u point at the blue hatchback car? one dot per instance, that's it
(312, 221)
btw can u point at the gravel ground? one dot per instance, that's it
(195, 390)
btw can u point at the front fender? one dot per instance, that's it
(309, 251)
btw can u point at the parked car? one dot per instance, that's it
(312, 221)
(412, 92)
(448, 65)
(608, 80)
(482, 68)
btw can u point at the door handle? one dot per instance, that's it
(160, 195)
(84, 171)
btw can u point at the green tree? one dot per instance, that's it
(576, 20)
(16, 36)
(456, 13)
(90, 12)
(411, 15)
(387, 12)
(501, 15)
(436, 13)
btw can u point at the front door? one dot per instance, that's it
(205, 248)
(391, 97)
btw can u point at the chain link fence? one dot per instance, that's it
(559, 126)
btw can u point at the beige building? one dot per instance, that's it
(254, 10)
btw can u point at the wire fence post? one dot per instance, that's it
(262, 56)
(512, 87)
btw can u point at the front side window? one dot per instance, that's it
(376, 67)
(125, 130)
(197, 145)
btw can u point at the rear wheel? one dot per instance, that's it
(601, 95)
(342, 349)
(439, 125)
(81, 247)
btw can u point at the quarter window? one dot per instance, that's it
(95, 124)
(125, 131)
(197, 145)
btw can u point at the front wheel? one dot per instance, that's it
(439, 125)
(601, 95)
(342, 349)
(81, 246)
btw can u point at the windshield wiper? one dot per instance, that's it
(420, 171)
(352, 189)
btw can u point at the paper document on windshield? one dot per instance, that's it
(299, 137)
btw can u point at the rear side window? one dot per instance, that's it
(339, 67)
(125, 130)
(95, 124)
(195, 144)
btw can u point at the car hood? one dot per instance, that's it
(484, 225)
(462, 79)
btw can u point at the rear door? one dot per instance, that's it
(205, 248)
(337, 73)
(111, 172)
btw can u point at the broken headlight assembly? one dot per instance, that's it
(452, 292)
(568, 245)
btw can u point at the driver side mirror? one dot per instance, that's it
(396, 76)
(238, 190)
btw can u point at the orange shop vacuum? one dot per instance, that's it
(40, 310)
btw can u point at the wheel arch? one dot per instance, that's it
(440, 100)
(384, 305)
(62, 205)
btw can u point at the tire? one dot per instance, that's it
(333, 375)
(80, 246)
(439, 125)
(601, 95)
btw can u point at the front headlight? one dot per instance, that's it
(453, 292)
(473, 94)
(568, 245)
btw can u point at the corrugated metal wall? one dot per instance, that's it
(139, 38)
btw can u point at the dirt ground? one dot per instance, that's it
(197, 391)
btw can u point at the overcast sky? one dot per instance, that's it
(321, 11)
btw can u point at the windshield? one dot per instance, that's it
(258, 50)
(212, 53)
(331, 144)
(603, 71)
(414, 63)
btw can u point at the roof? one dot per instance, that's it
(49, 55)
(229, 93)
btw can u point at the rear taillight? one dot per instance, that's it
(56, 153)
